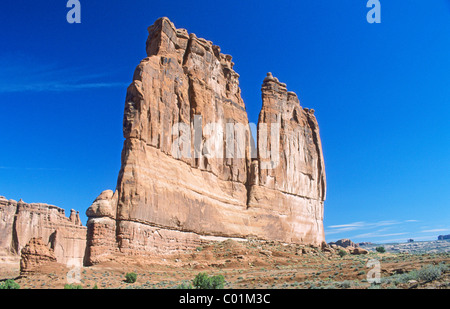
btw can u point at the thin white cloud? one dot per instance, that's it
(20, 73)
(376, 235)
(360, 225)
(422, 238)
(435, 230)
(362, 230)
(56, 86)
(32, 168)
(349, 225)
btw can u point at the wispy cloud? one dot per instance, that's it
(373, 231)
(361, 225)
(32, 168)
(56, 86)
(435, 230)
(22, 73)
(377, 235)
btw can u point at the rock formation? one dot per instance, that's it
(21, 222)
(443, 237)
(344, 243)
(35, 255)
(189, 167)
(359, 251)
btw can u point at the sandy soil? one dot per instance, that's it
(245, 265)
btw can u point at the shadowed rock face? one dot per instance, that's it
(189, 168)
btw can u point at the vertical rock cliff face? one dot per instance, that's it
(20, 222)
(289, 171)
(187, 167)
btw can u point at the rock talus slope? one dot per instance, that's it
(189, 167)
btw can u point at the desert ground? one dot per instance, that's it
(249, 265)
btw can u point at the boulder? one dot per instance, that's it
(359, 251)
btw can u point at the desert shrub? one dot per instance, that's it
(429, 272)
(203, 281)
(402, 278)
(73, 287)
(374, 286)
(380, 249)
(9, 285)
(346, 284)
(426, 273)
(130, 277)
(184, 286)
(342, 253)
(217, 282)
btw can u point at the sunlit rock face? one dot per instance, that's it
(190, 168)
(20, 222)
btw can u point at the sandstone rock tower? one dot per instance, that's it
(178, 185)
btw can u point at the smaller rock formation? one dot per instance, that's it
(359, 251)
(75, 217)
(101, 235)
(444, 237)
(35, 255)
(344, 243)
(20, 222)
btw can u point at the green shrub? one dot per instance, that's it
(342, 253)
(217, 282)
(429, 273)
(185, 286)
(426, 273)
(346, 284)
(73, 287)
(380, 249)
(203, 281)
(130, 277)
(9, 285)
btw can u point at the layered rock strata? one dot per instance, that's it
(289, 173)
(189, 167)
(21, 222)
(35, 255)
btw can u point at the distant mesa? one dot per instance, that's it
(444, 237)
(344, 243)
(366, 243)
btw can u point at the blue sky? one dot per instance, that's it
(381, 94)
